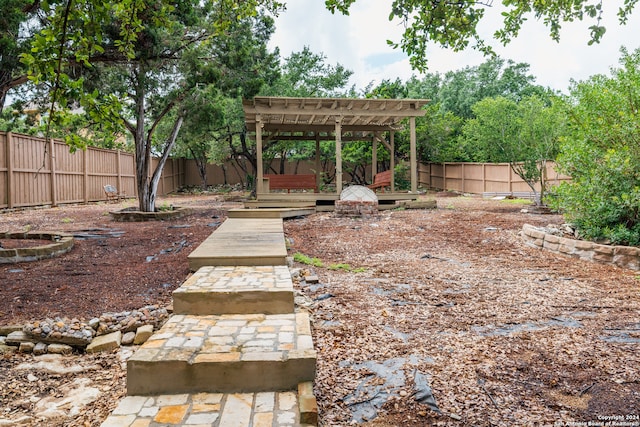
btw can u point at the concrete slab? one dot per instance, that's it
(242, 242)
(236, 290)
(281, 408)
(223, 354)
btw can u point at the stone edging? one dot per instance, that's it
(60, 243)
(139, 216)
(621, 256)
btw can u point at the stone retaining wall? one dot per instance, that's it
(60, 243)
(622, 256)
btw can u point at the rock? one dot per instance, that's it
(40, 349)
(142, 334)
(312, 279)
(25, 420)
(7, 349)
(26, 347)
(127, 339)
(17, 337)
(59, 349)
(105, 342)
(6, 330)
(94, 323)
(31, 378)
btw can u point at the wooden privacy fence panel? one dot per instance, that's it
(36, 172)
(480, 178)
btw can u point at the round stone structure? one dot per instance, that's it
(60, 244)
(357, 200)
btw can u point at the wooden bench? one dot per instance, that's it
(292, 182)
(112, 194)
(381, 180)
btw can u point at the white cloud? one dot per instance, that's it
(358, 42)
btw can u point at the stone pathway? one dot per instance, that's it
(235, 352)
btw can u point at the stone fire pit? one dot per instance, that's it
(357, 201)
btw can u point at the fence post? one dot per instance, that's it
(119, 172)
(85, 173)
(464, 190)
(484, 177)
(9, 155)
(52, 167)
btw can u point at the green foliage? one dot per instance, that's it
(602, 155)
(347, 268)
(454, 24)
(304, 259)
(525, 134)
(401, 177)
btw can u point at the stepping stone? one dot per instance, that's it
(281, 408)
(224, 354)
(241, 242)
(236, 290)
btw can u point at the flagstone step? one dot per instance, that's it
(224, 354)
(283, 409)
(236, 290)
(242, 241)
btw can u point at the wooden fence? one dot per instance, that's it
(480, 178)
(36, 172)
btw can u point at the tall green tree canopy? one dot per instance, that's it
(601, 153)
(130, 65)
(20, 18)
(454, 24)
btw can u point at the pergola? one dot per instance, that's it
(342, 119)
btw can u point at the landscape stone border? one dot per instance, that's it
(60, 244)
(621, 256)
(129, 215)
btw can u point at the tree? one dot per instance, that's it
(453, 24)
(601, 153)
(244, 65)
(18, 19)
(524, 134)
(130, 65)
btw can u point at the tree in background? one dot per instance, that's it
(128, 66)
(302, 74)
(602, 155)
(524, 134)
(453, 24)
(19, 20)
(241, 65)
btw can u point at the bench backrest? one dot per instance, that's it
(286, 182)
(382, 177)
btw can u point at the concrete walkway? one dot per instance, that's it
(235, 353)
(242, 241)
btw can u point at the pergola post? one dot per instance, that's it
(414, 162)
(259, 166)
(374, 156)
(338, 131)
(318, 165)
(392, 161)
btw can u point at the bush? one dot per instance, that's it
(602, 155)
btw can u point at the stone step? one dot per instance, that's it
(224, 354)
(236, 290)
(284, 409)
(242, 241)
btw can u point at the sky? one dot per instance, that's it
(359, 42)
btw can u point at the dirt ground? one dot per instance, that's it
(421, 317)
